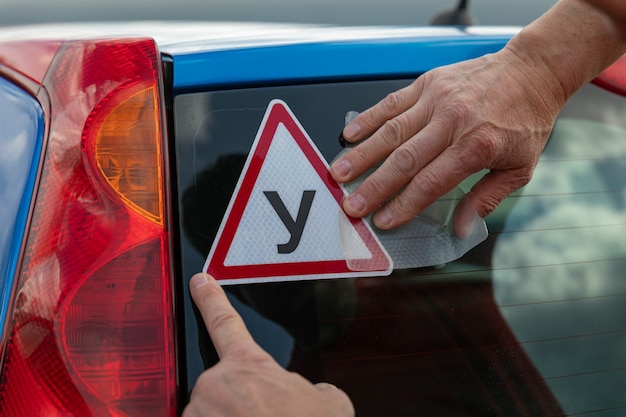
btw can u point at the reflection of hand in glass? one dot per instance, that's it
(247, 381)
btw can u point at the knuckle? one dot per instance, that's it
(392, 103)
(486, 146)
(394, 133)
(496, 193)
(518, 180)
(404, 207)
(525, 175)
(488, 206)
(359, 155)
(460, 109)
(222, 320)
(479, 150)
(404, 160)
(374, 186)
(430, 185)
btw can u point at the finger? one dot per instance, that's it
(336, 399)
(437, 178)
(225, 326)
(398, 169)
(391, 106)
(393, 133)
(494, 187)
(390, 123)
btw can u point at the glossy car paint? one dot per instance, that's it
(208, 54)
(382, 53)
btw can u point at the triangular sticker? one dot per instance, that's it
(284, 221)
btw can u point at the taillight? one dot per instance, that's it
(614, 77)
(91, 332)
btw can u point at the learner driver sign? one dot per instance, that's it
(284, 220)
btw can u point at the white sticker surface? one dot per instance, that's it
(284, 220)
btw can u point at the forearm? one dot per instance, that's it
(567, 47)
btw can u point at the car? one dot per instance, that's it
(135, 155)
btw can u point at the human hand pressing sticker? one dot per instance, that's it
(247, 381)
(429, 238)
(495, 113)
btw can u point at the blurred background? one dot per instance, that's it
(342, 12)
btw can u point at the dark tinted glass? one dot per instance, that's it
(530, 322)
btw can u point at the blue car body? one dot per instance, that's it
(21, 143)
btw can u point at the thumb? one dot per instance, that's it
(466, 218)
(495, 186)
(485, 196)
(335, 399)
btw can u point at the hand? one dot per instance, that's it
(247, 381)
(493, 113)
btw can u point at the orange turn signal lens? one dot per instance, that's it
(128, 153)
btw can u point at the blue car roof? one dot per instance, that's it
(286, 53)
(226, 53)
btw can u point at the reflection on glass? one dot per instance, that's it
(559, 264)
(529, 323)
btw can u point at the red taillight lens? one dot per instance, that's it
(92, 332)
(614, 77)
(30, 58)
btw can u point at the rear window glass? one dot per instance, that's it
(530, 322)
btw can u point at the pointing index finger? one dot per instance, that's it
(226, 327)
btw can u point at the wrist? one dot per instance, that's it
(567, 47)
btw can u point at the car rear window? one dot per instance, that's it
(530, 322)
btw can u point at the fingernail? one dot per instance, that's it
(351, 130)
(342, 168)
(355, 203)
(198, 281)
(383, 217)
